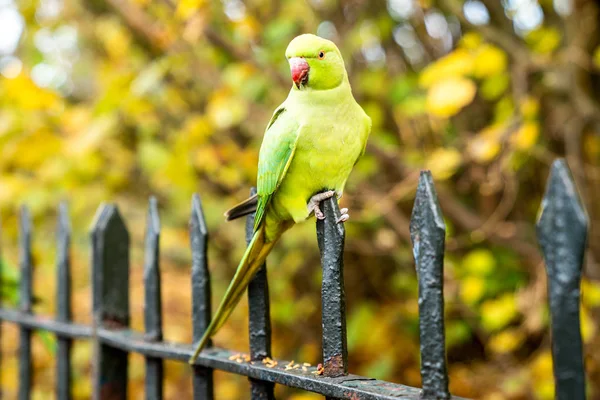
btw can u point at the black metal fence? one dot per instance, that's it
(562, 230)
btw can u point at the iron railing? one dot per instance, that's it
(562, 230)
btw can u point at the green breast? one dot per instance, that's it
(329, 144)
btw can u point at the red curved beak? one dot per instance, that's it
(299, 69)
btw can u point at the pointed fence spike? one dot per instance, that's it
(153, 301)
(25, 302)
(63, 264)
(427, 232)
(152, 289)
(562, 233)
(63, 301)
(331, 238)
(259, 323)
(110, 299)
(26, 295)
(201, 304)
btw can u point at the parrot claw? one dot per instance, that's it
(313, 203)
(318, 213)
(344, 217)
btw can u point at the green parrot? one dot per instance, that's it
(309, 148)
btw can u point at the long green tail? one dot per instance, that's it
(255, 255)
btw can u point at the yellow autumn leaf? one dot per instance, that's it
(410, 107)
(373, 110)
(596, 57)
(229, 176)
(197, 129)
(186, 8)
(495, 86)
(206, 160)
(226, 110)
(504, 110)
(529, 107)
(590, 293)
(447, 97)
(237, 74)
(506, 341)
(7, 120)
(12, 187)
(75, 120)
(472, 289)
(486, 145)
(178, 174)
(94, 136)
(470, 40)
(54, 170)
(248, 27)
(480, 262)
(459, 63)
(489, 61)
(588, 328)
(497, 313)
(443, 162)
(113, 36)
(544, 40)
(544, 389)
(31, 150)
(592, 146)
(24, 94)
(542, 376)
(9, 373)
(151, 156)
(526, 136)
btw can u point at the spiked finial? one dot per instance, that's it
(427, 232)
(562, 231)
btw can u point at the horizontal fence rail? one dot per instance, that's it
(562, 228)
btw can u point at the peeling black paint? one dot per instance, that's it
(561, 228)
(152, 301)
(202, 378)
(427, 231)
(63, 303)
(25, 302)
(259, 320)
(110, 299)
(331, 238)
(562, 232)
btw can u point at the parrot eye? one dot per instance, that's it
(321, 55)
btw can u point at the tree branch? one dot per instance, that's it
(491, 33)
(141, 24)
(469, 221)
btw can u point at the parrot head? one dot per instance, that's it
(315, 63)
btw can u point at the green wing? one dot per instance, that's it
(276, 153)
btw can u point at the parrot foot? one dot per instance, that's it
(313, 203)
(344, 217)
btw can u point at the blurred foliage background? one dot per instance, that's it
(114, 100)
